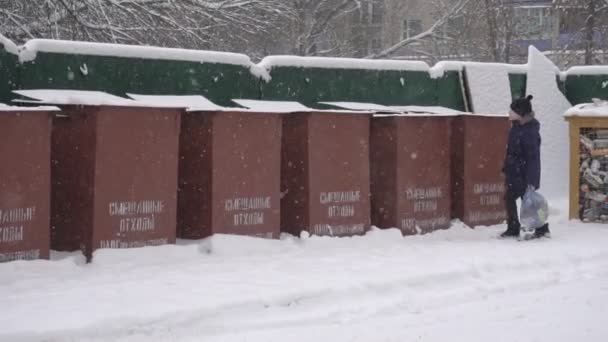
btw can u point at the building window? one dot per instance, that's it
(534, 22)
(572, 21)
(376, 45)
(411, 28)
(377, 9)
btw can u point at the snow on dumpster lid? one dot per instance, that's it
(426, 110)
(362, 106)
(588, 70)
(81, 97)
(273, 106)
(599, 108)
(6, 108)
(191, 102)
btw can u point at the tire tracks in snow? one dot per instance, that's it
(413, 294)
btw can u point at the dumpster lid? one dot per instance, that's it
(6, 108)
(433, 110)
(273, 106)
(190, 102)
(362, 106)
(80, 97)
(598, 108)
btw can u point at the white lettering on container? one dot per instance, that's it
(340, 197)
(12, 223)
(482, 216)
(140, 215)
(248, 210)
(247, 203)
(423, 193)
(489, 200)
(410, 224)
(11, 234)
(249, 219)
(17, 215)
(488, 188)
(341, 210)
(129, 208)
(21, 255)
(337, 230)
(131, 244)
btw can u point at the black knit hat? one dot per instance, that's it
(522, 106)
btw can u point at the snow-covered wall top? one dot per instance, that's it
(29, 51)
(87, 98)
(588, 70)
(270, 62)
(440, 68)
(9, 46)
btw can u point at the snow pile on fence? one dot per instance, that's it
(549, 105)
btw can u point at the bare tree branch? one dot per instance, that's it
(426, 34)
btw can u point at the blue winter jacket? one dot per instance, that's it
(522, 163)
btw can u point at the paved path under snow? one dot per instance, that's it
(457, 285)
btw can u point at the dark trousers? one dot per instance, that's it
(511, 198)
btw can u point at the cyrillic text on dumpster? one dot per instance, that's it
(340, 203)
(12, 223)
(247, 211)
(136, 216)
(489, 203)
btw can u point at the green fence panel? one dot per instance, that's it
(583, 88)
(119, 75)
(449, 91)
(312, 85)
(518, 85)
(9, 79)
(519, 81)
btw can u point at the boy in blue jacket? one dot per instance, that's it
(522, 163)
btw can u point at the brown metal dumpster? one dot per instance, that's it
(410, 166)
(25, 182)
(479, 144)
(114, 171)
(324, 171)
(229, 169)
(410, 172)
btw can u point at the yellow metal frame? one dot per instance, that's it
(576, 124)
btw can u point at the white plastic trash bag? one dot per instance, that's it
(534, 210)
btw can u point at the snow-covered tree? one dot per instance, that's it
(216, 24)
(585, 25)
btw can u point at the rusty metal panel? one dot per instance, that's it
(337, 162)
(411, 172)
(241, 194)
(383, 172)
(72, 177)
(195, 162)
(479, 186)
(294, 174)
(127, 191)
(24, 185)
(423, 171)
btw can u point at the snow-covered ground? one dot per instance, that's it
(454, 285)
